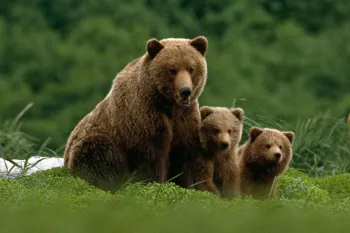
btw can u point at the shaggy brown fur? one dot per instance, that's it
(215, 169)
(264, 157)
(151, 112)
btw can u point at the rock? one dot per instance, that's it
(35, 163)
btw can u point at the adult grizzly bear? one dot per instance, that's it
(149, 118)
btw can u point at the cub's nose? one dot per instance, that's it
(277, 155)
(185, 92)
(224, 145)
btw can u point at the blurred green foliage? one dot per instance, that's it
(54, 201)
(284, 59)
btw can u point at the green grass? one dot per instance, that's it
(15, 144)
(54, 201)
(315, 200)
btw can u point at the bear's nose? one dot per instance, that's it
(185, 92)
(277, 155)
(224, 145)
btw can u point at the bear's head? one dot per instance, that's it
(221, 128)
(270, 146)
(178, 68)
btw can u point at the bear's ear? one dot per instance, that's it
(153, 47)
(254, 133)
(205, 111)
(200, 43)
(238, 112)
(290, 136)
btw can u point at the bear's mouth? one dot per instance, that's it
(183, 102)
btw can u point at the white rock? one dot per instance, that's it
(35, 163)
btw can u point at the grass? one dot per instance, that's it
(54, 201)
(15, 144)
(314, 196)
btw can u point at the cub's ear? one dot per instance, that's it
(153, 47)
(290, 136)
(200, 43)
(238, 112)
(205, 111)
(254, 133)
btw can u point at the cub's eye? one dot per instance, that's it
(280, 146)
(190, 70)
(216, 131)
(268, 146)
(229, 131)
(173, 71)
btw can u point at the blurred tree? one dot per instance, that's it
(279, 58)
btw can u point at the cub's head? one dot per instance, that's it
(178, 68)
(270, 145)
(221, 128)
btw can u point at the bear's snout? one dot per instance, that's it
(185, 92)
(224, 145)
(183, 88)
(184, 96)
(277, 155)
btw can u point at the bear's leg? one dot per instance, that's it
(230, 183)
(246, 182)
(203, 175)
(161, 168)
(208, 185)
(184, 148)
(99, 163)
(162, 144)
(262, 190)
(230, 188)
(179, 170)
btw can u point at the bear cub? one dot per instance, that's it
(215, 168)
(264, 157)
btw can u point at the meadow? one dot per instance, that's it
(52, 201)
(310, 198)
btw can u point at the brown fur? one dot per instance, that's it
(144, 118)
(215, 169)
(259, 163)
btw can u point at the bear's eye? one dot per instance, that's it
(190, 70)
(173, 71)
(216, 131)
(280, 146)
(268, 146)
(229, 131)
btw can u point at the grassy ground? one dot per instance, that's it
(54, 201)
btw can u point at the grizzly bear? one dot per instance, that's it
(264, 157)
(215, 168)
(149, 118)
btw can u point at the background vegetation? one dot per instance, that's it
(278, 58)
